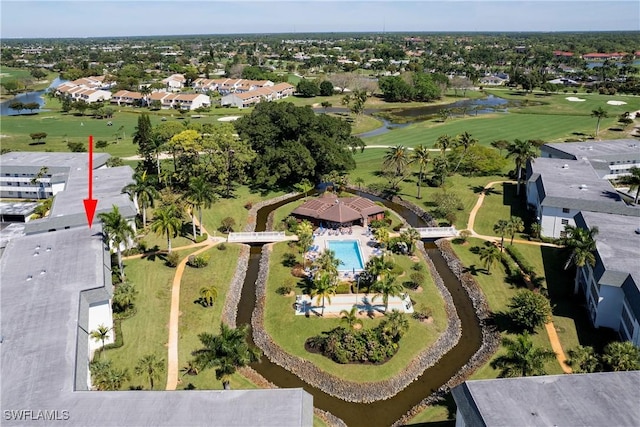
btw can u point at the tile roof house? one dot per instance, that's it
(185, 101)
(174, 82)
(262, 94)
(87, 89)
(125, 97)
(345, 210)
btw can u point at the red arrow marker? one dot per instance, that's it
(90, 204)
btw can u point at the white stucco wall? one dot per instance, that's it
(100, 314)
(459, 420)
(635, 334)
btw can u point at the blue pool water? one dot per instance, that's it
(348, 252)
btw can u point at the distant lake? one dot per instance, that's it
(37, 96)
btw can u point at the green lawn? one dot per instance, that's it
(147, 331)
(499, 203)
(291, 331)
(195, 318)
(498, 293)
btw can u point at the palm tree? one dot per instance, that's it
(420, 156)
(522, 152)
(501, 228)
(105, 377)
(583, 359)
(225, 352)
(599, 113)
(514, 225)
(633, 181)
(324, 287)
(144, 91)
(117, 231)
(465, 141)
(209, 294)
(144, 192)
(489, 254)
(379, 265)
(444, 142)
(396, 158)
(124, 296)
(387, 286)
(200, 194)
(166, 222)
(582, 244)
(522, 358)
(395, 325)
(359, 180)
(350, 317)
(500, 144)
(304, 230)
(622, 356)
(37, 179)
(411, 235)
(328, 263)
(101, 333)
(150, 366)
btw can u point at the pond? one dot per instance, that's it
(384, 412)
(37, 96)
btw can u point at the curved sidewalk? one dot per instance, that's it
(549, 327)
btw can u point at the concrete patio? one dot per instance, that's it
(368, 305)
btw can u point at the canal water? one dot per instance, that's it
(388, 411)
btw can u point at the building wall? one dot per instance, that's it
(100, 314)
(609, 307)
(555, 219)
(632, 333)
(459, 419)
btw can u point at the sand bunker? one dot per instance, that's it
(228, 118)
(616, 102)
(574, 99)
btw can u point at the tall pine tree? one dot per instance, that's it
(146, 148)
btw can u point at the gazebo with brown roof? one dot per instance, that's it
(342, 211)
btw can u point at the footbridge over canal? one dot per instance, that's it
(435, 232)
(259, 237)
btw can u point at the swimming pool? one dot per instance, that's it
(349, 253)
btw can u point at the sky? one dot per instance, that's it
(27, 19)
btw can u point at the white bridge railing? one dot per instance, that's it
(436, 231)
(257, 236)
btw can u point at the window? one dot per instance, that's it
(565, 221)
(566, 210)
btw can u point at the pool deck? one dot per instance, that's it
(368, 305)
(366, 242)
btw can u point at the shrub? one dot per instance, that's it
(417, 266)
(117, 331)
(200, 239)
(529, 310)
(248, 205)
(198, 261)
(222, 247)
(520, 260)
(101, 143)
(284, 290)
(343, 288)
(291, 223)
(143, 246)
(173, 259)
(417, 279)
(227, 224)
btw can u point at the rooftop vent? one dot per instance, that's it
(43, 271)
(565, 166)
(37, 247)
(638, 230)
(48, 248)
(583, 186)
(29, 277)
(36, 253)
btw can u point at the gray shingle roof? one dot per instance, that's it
(601, 399)
(43, 349)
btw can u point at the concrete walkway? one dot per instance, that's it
(549, 327)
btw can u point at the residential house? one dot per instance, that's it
(125, 97)
(263, 94)
(562, 54)
(174, 82)
(612, 286)
(87, 89)
(492, 80)
(564, 81)
(603, 56)
(599, 399)
(185, 101)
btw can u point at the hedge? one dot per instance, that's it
(521, 261)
